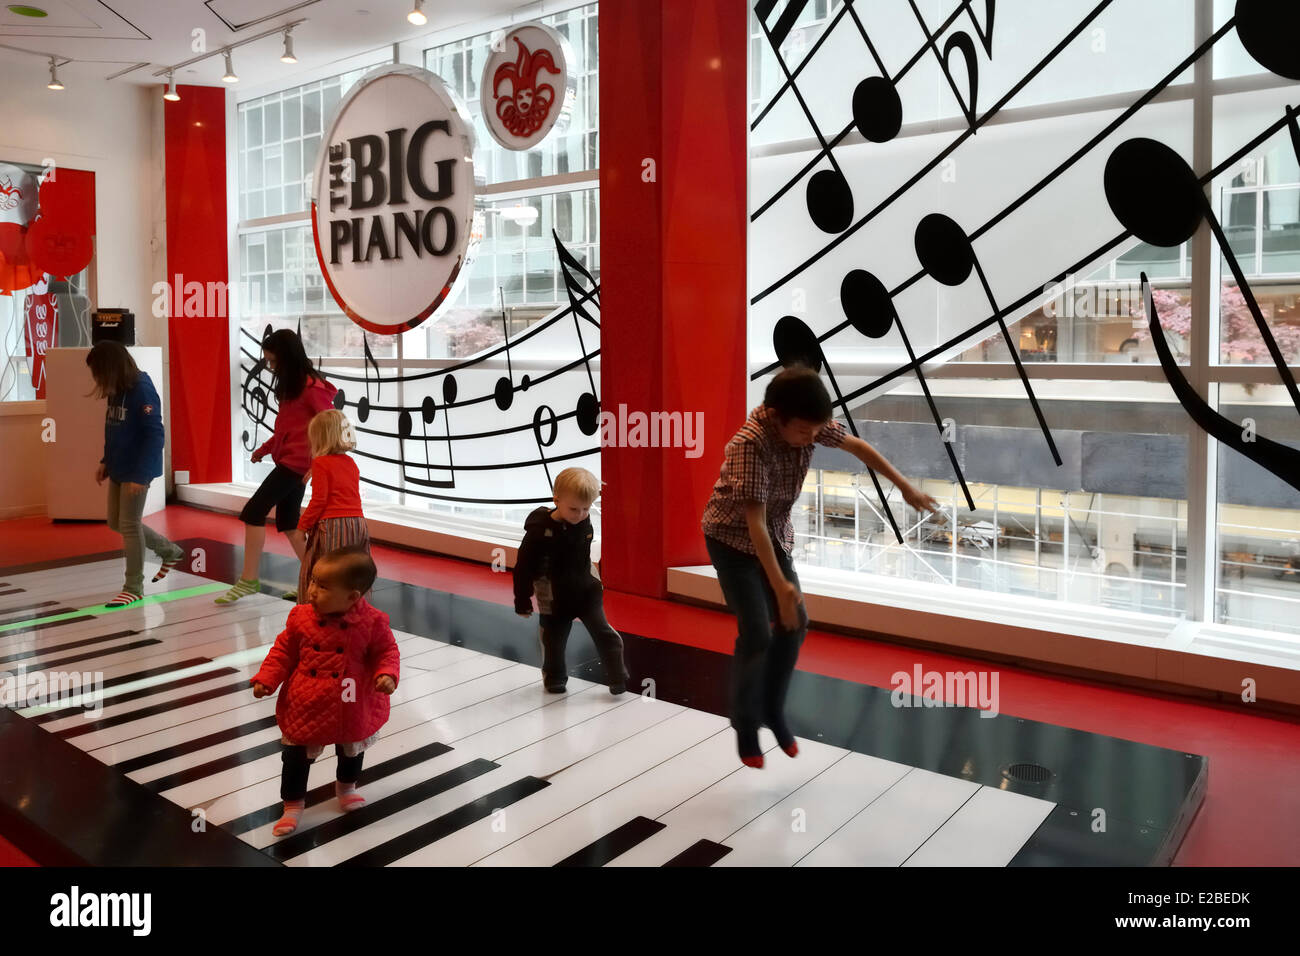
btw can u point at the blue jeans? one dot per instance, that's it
(765, 651)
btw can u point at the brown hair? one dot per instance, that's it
(113, 369)
(353, 567)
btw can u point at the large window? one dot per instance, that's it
(513, 282)
(1144, 512)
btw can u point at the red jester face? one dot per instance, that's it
(525, 109)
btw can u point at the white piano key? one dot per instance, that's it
(781, 836)
(988, 830)
(890, 828)
(650, 794)
(734, 801)
(581, 763)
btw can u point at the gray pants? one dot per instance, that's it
(124, 516)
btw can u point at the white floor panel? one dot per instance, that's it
(607, 760)
(988, 830)
(798, 824)
(569, 789)
(728, 805)
(890, 828)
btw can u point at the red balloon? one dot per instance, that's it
(13, 241)
(70, 198)
(54, 247)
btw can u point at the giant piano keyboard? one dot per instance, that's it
(478, 765)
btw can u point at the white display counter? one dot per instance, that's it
(71, 492)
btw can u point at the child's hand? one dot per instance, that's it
(260, 689)
(919, 500)
(255, 458)
(101, 473)
(384, 684)
(787, 600)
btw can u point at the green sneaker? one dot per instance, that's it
(241, 589)
(291, 595)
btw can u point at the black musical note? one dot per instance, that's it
(962, 42)
(545, 412)
(1156, 196)
(428, 411)
(588, 403)
(504, 393)
(795, 343)
(363, 403)
(1281, 460)
(870, 309)
(946, 253)
(828, 195)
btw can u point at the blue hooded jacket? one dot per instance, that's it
(133, 434)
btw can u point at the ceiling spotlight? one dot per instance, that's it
(288, 56)
(230, 70)
(54, 83)
(171, 93)
(416, 15)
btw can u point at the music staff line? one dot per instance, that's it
(932, 164)
(468, 363)
(559, 370)
(1047, 180)
(830, 28)
(1089, 258)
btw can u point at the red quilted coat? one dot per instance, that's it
(313, 656)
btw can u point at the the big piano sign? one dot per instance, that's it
(393, 199)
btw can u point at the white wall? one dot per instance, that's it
(105, 127)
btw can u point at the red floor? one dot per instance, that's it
(1251, 816)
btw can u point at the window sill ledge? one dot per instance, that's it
(1101, 643)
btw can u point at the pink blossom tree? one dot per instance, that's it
(1241, 343)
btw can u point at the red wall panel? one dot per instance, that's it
(199, 345)
(672, 89)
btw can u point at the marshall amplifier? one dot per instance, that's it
(113, 325)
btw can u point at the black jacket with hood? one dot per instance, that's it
(555, 558)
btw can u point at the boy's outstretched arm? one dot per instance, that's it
(874, 460)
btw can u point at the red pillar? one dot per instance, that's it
(199, 345)
(673, 320)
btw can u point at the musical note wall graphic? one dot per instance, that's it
(858, 202)
(465, 433)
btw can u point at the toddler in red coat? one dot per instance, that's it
(335, 648)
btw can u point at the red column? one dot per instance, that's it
(673, 329)
(199, 344)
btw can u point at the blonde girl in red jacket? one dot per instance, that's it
(301, 393)
(336, 663)
(333, 519)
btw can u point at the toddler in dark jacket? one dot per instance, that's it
(554, 560)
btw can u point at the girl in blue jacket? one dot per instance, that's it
(133, 447)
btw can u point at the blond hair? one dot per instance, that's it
(330, 433)
(579, 483)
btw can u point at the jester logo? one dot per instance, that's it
(525, 108)
(10, 195)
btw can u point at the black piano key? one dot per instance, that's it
(701, 853)
(448, 823)
(300, 843)
(614, 843)
(370, 773)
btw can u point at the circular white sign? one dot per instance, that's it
(393, 208)
(527, 86)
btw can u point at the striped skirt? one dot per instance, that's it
(330, 533)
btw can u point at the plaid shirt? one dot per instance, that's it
(760, 466)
